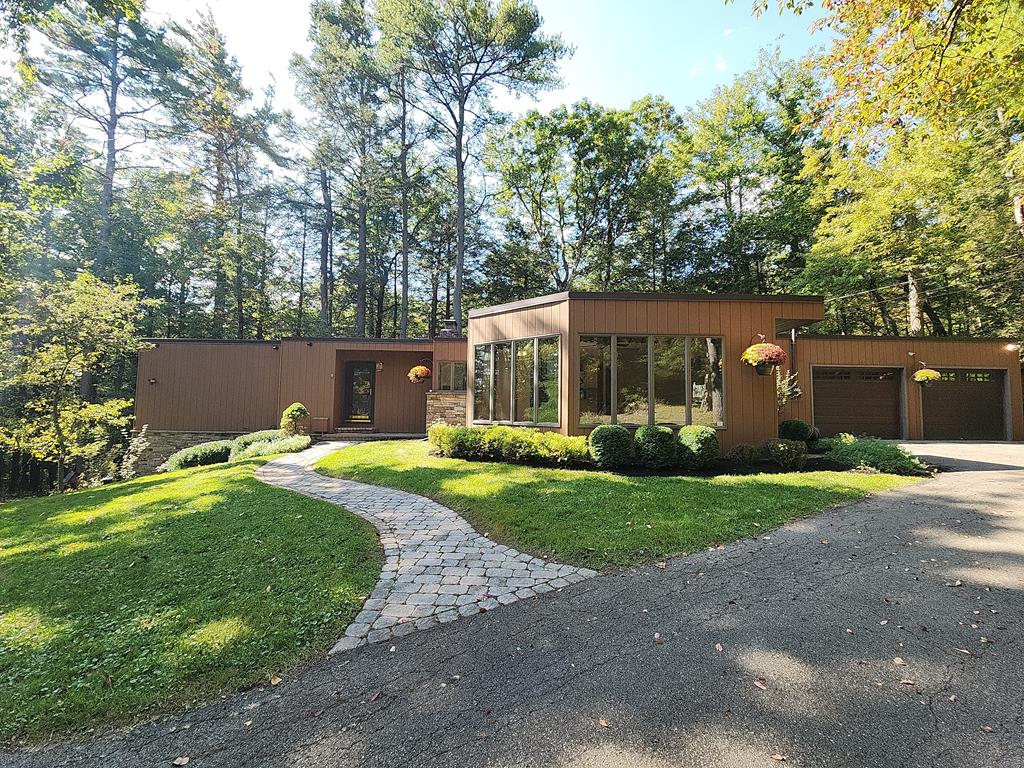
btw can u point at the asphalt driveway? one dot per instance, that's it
(885, 633)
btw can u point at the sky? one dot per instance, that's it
(625, 49)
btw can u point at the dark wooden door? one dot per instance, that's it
(965, 405)
(360, 386)
(862, 401)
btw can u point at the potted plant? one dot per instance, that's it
(763, 357)
(926, 376)
(418, 374)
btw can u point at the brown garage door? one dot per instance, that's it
(863, 401)
(965, 405)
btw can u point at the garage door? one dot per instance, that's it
(965, 405)
(863, 401)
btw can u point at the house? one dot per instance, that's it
(572, 360)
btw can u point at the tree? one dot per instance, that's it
(66, 328)
(460, 50)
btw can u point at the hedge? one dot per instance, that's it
(611, 446)
(200, 455)
(698, 446)
(516, 445)
(242, 442)
(289, 444)
(872, 453)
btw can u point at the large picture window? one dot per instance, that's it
(521, 386)
(635, 380)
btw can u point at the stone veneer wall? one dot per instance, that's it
(446, 407)
(163, 443)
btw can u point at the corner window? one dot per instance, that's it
(451, 376)
(636, 380)
(517, 382)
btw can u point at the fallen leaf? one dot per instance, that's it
(657, 638)
(661, 565)
(374, 696)
(824, 541)
(759, 683)
(718, 647)
(248, 723)
(778, 758)
(907, 682)
(899, 662)
(183, 760)
(883, 622)
(953, 697)
(603, 723)
(274, 679)
(987, 728)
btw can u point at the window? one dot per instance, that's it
(595, 380)
(482, 382)
(451, 376)
(657, 380)
(517, 381)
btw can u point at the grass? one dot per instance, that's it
(149, 595)
(600, 519)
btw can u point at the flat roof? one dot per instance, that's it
(556, 298)
(342, 339)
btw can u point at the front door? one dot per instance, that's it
(359, 390)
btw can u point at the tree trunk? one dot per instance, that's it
(915, 325)
(325, 250)
(403, 331)
(220, 286)
(302, 277)
(883, 310)
(239, 255)
(361, 263)
(938, 327)
(460, 217)
(104, 267)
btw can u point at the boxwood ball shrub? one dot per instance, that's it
(743, 454)
(790, 455)
(795, 429)
(697, 446)
(655, 447)
(294, 418)
(872, 453)
(611, 446)
(213, 452)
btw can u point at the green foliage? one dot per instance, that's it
(790, 455)
(160, 584)
(517, 445)
(289, 444)
(655, 447)
(294, 419)
(872, 453)
(743, 455)
(698, 446)
(242, 442)
(212, 452)
(611, 446)
(795, 429)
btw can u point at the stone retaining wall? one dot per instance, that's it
(446, 407)
(163, 443)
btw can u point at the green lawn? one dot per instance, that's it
(149, 595)
(600, 519)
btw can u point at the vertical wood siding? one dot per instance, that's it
(894, 353)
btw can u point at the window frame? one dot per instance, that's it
(441, 364)
(614, 362)
(512, 384)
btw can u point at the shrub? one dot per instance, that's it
(698, 446)
(294, 419)
(440, 435)
(655, 447)
(790, 455)
(467, 443)
(242, 442)
(562, 451)
(743, 454)
(795, 429)
(514, 444)
(611, 446)
(199, 455)
(872, 453)
(289, 444)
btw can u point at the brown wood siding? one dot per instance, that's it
(399, 405)
(208, 386)
(989, 354)
(449, 349)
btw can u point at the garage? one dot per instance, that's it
(965, 405)
(862, 401)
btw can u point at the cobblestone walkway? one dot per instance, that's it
(437, 567)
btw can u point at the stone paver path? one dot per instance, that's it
(437, 567)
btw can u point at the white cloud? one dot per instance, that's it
(720, 63)
(696, 72)
(727, 32)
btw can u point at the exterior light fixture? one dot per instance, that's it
(379, 366)
(1013, 347)
(152, 381)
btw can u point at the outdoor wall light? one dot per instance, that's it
(1013, 347)
(152, 381)
(309, 343)
(380, 366)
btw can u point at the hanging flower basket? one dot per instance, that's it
(763, 357)
(926, 376)
(418, 374)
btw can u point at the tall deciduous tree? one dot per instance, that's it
(460, 50)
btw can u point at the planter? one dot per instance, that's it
(763, 357)
(926, 377)
(764, 369)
